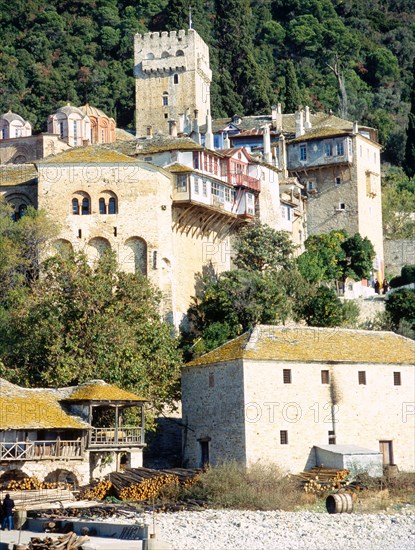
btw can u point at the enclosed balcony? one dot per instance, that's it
(56, 449)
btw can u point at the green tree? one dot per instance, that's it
(336, 256)
(260, 248)
(81, 322)
(409, 164)
(400, 305)
(292, 91)
(237, 63)
(324, 309)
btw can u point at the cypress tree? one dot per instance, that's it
(409, 164)
(177, 17)
(243, 80)
(292, 90)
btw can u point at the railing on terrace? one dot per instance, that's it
(246, 181)
(38, 450)
(109, 437)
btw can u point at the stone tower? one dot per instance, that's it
(173, 79)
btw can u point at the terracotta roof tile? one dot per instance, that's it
(305, 344)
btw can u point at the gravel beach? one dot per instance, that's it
(242, 530)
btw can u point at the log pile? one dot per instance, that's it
(31, 483)
(97, 491)
(69, 541)
(141, 484)
(318, 480)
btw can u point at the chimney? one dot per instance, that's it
(355, 127)
(209, 143)
(283, 156)
(299, 123)
(181, 122)
(227, 142)
(277, 117)
(196, 133)
(172, 128)
(307, 122)
(267, 144)
(149, 133)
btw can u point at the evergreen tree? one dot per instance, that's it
(409, 165)
(292, 90)
(178, 17)
(238, 68)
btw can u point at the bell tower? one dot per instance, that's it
(172, 77)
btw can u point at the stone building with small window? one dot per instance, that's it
(60, 434)
(275, 394)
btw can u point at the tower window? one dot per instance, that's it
(102, 206)
(176, 79)
(75, 206)
(85, 206)
(75, 133)
(61, 130)
(165, 99)
(284, 437)
(338, 180)
(112, 206)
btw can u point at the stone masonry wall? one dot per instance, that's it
(213, 409)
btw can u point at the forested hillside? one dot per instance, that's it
(352, 56)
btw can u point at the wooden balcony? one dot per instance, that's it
(127, 436)
(242, 180)
(41, 450)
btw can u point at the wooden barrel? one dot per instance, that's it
(339, 503)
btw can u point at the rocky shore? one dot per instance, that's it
(244, 530)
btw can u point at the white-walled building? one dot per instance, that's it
(274, 394)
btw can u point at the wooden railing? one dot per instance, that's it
(37, 450)
(110, 437)
(246, 181)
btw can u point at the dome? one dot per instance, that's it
(92, 111)
(10, 117)
(70, 110)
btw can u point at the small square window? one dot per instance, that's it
(166, 115)
(338, 180)
(332, 437)
(284, 437)
(362, 377)
(325, 377)
(286, 376)
(396, 378)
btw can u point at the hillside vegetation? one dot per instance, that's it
(351, 56)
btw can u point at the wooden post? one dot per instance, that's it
(116, 425)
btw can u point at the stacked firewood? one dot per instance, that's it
(31, 483)
(320, 480)
(140, 483)
(97, 491)
(69, 541)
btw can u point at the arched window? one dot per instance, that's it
(112, 206)
(85, 206)
(179, 53)
(150, 55)
(102, 206)
(165, 98)
(22, 210)
(175, 79)
(75, 206)
(165, 54)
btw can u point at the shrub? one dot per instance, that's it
(260, 487)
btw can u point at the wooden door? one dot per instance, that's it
(385, 448)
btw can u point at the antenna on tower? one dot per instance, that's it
(190, 18)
